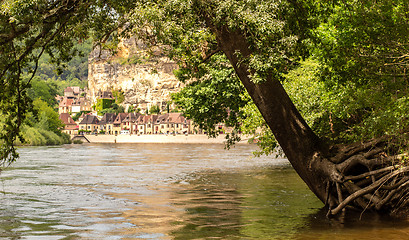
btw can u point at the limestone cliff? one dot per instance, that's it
(146, 78)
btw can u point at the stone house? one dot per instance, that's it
(178, 124)
(131, 122)
(89, 123)
(146, 124)
(172, 123)
(118, 123)
(161, 124)
(107, 123)
(70, 127)
(65, 106)
(80, 105)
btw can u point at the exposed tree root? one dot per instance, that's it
(368, 176)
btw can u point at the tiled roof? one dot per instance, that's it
(132, 117)
(66, 102)
(120, 118)
(89, 119)
(68, 89)
(176, 118)
(66, 119)
(107, 118)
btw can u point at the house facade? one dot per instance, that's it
(118, 123)
(107, 123)
(89, 124)
(70, 127)
(131, 123)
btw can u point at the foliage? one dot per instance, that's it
(114, 108)
(78, 115)
(43, 90)
(75, 69)
(28, 30)
(154, 110)
(104, 103)
(36, 136)
(42, 126)
(214, 98)
(132, 109)
(351, 85)
(77, 141)
(44, 117)
(363, 55)
(119, 96)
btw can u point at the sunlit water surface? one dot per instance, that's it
(167, 191)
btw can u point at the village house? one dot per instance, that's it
(73, 101)
(118, 123)
(70, 127)
(89, 124)
(172, 123)
(130, 123)
(107, 123)
(178, 124)
(105, 95)
(69, 93)
(80, 105)
(65, 106)
(146, 124)
(161, 124)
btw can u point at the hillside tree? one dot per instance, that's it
(257, 46)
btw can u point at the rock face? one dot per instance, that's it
(145, 78)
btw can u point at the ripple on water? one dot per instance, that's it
(169, 191)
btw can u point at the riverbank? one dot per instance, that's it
(193, 139)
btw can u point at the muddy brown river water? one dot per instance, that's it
(167, 191)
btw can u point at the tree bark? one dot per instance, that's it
(298, 141)
(360, 176)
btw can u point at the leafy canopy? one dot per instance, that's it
(342, 62)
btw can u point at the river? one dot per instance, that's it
(167, 191)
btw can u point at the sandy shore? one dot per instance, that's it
(197, 139)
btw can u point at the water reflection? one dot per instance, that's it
(148, 191)
(258, 203)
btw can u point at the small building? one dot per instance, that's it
(161, 124)
(89, 124)
(107, 123)
(146, 124)
(65, 106)
(178, 123)
(80, 105)
(130, 123)
(70, 127)
(105, 95)
(118, 123)
(69, 93)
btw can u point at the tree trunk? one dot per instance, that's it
(359, 176)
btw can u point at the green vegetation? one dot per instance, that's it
(254, 65)
(119, 96)
(154, 109)
(104, 103)
(114, 108)
(42, 126)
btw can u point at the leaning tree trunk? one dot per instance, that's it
(360, 176)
